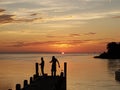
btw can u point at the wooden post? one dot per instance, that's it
(65, 74)
(25, 83)
(65, 69)
(37, 69)
(31, 80)
(18, 87)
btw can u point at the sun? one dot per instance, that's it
(62, 53)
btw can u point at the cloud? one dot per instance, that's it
(33, 14)
(78, 35)
(79, 42)
(75, 35)
(117, 17)
(22, 44)
(23, 15)
(7, 2)
(64, 36)
(6, 18)
(2, 10)
(71, 35)
(51, 36)
(90, 33)
(50, 43)
(10, 19)
(79, 9)
(27, 20)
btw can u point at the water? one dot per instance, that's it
(84, 71)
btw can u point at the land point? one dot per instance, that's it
(113, 51)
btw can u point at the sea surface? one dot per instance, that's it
(83, 72)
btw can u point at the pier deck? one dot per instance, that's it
(45, 82)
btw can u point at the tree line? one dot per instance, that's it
(113, 51)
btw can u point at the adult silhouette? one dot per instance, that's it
(42, 65)
(53, 69)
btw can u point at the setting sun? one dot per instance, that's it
(62, 53)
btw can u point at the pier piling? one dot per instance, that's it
(18, 87)
(25, 83)
(65, 69)
(37, 69)
(31, 80)
(65, 74)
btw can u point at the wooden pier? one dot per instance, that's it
(45, 82)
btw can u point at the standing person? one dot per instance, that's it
(42, 66)
(54, 61)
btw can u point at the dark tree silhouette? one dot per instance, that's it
(113, 51)
(112, 48)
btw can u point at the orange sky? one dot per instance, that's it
(58, 26)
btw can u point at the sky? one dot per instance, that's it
(58, 25)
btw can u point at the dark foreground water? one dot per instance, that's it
(84, 71)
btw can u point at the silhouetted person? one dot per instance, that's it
(54, 61)
(42, 66)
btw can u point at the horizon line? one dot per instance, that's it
(44, 52)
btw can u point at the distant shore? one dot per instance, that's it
(107, 56)
(113, 51)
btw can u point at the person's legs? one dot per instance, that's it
(51, 72)
(42, 70)
(54, 73)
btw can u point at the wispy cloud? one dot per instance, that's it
(90, 33)
(52, 43)
(56, 11)
(22, 44)
(10, 19)
(75, 35)
(117, 17)
(52, 11)
(52, 36)
(2, 10)
(33, 14)
(71, 35)
(7, 18)
(82, 34)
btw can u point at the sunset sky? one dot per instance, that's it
(58, 25)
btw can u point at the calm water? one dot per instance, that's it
(84, 72)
